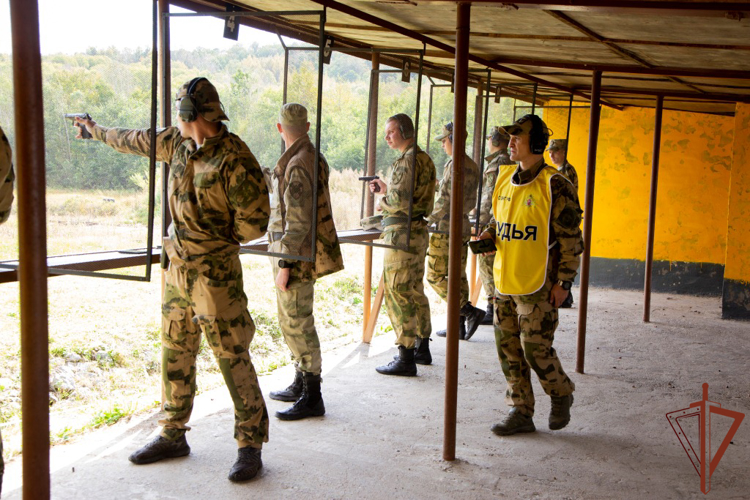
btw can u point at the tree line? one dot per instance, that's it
(114, 86)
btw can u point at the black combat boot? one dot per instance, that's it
(404, 365)
(461, 329)
(489, 315)
(247, 465)
(473, 316)
(422, 354)
(560, 414)
(515, 422)
(291, 393)
(310, 404)
(159, 449)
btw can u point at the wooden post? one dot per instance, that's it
(652, 210)
(456, 222)
(32, 247)
(588, 211)
(477, 156)
(372, 129)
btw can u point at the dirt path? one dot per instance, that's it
(382, 436)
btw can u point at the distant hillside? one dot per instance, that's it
(114, 86)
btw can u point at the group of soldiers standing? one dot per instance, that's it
(220, 197)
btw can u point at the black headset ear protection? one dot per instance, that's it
(405, 135)
(449, 127)
(188, 110)
(537, 138)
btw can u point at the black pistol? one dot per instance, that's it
(368, 178)
(84, 116)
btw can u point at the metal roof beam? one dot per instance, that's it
(364, 16)
(731, 10)
(621, 68)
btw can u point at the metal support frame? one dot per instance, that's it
(319, 112)
(567, 128)
(166, 121)
(151, 176)
(371, 137)
(652, 210)
(588, 213)
(370, 148)
(456, 222)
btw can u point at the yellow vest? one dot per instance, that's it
(522, 213)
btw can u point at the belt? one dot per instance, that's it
(389, 221)
(275, 236)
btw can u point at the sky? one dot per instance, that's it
(71, 26)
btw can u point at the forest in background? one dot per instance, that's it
(114, 86)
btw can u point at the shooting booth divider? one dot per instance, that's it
(255, 247)
(88, 264)
(374, 82)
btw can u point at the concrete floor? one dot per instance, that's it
(382, 436)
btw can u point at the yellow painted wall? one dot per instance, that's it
(737, 265)
(695, 165)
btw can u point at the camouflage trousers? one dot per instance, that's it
(523, 335)
(295, 308)
(211, 302)
(403, 278)
(485, 265)
(437, 266)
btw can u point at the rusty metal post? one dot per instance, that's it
(32, 247)
(652, 210)
(588, 211)
(456, 222)
(372, 143)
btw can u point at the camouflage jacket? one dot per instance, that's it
(292, 212)
(441, 214)
(6, 178)
(217, 194)
(570, 172)
(565, 232)
(396, 201)
(494, 161)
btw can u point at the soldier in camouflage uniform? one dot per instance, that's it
(497, 145)
(403, 269)
(218, 199)
(6, 200)
(558, 153)
(290, 233)
(437, 253)
(538, 242)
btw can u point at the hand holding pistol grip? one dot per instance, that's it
(368, 178)
(83, 116)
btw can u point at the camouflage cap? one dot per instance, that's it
(293, 114)
(524, 125)
(446, 132)
(498, 136)
(206, 99)
(558, 145)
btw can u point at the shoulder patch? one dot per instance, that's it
(295, 190)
